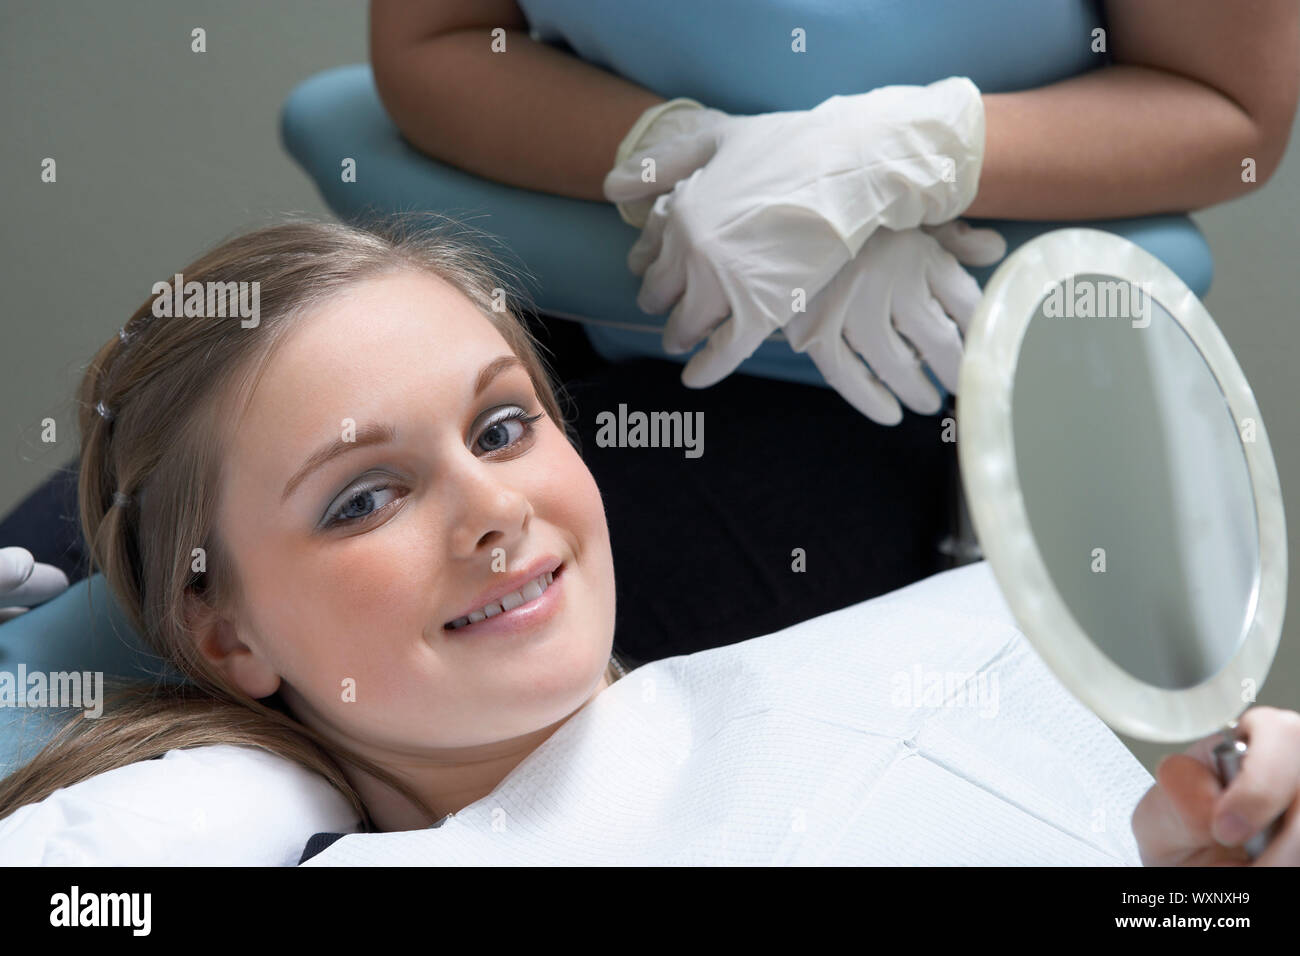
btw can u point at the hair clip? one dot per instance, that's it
(104, 413)
(133, 328)
(120, 499)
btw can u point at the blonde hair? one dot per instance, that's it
(148, 408)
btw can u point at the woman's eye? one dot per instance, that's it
(496, 434)
(352, 506)
(508, 427)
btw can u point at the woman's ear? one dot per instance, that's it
(216, 638)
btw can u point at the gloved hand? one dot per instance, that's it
(903, 301)
(26, 582)
(783, 200)
(637, 171)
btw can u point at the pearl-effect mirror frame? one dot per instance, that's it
(988, 466)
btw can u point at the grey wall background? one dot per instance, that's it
(161, 152)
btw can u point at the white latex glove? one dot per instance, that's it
(638, 171)
(903, 302)
(783, 200)
(26, 582)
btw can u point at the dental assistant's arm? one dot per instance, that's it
(532, 117)
(1197, 87)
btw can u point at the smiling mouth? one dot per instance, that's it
(525, 595)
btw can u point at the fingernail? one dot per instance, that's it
(1231, 829)
(11, 563)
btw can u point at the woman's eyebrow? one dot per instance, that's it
(494, 368)
(371, 433)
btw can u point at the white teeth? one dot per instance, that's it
(529, 592)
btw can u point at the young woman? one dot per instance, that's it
(359, 527)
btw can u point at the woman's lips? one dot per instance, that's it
(505, 587)
(525, 617)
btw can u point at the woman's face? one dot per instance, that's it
(432, 500)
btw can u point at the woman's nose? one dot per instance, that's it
(490, 511)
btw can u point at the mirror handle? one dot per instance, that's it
(1228, 756)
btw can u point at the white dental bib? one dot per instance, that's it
(918, 728)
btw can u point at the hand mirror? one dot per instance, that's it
(1121, 485)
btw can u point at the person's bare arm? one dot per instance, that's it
(532, 116)
(1198, 87)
